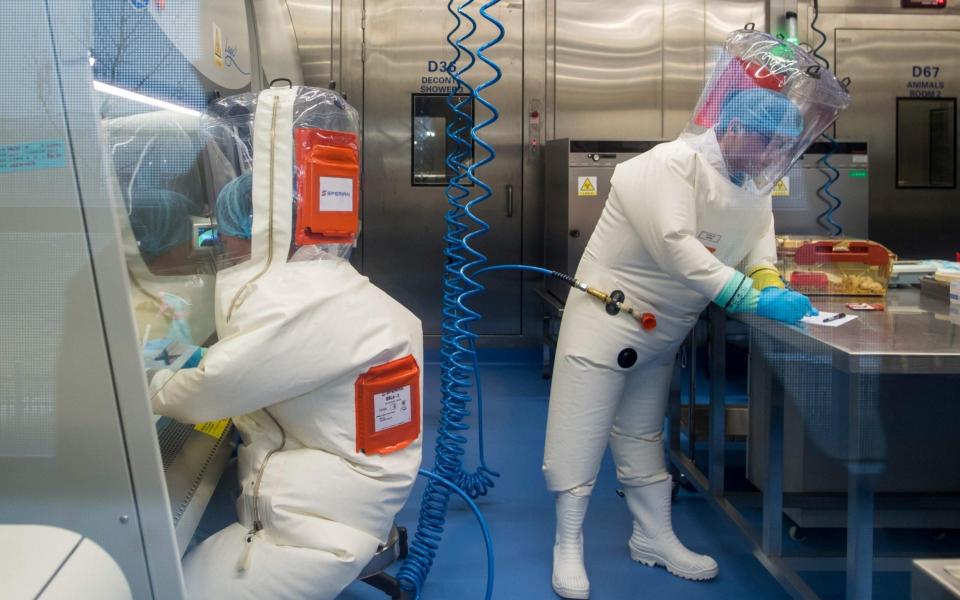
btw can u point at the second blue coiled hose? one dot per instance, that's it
(823, 192)
(459, 367)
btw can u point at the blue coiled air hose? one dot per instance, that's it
(458, 364)
(487, 541)
(823, 192)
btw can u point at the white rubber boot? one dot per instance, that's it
(569, 575)
(653, 541)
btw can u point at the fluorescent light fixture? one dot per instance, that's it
(122, 93)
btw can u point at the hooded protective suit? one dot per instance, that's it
(296, 336)
(679, 221)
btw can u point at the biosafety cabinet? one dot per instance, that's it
(92, 165)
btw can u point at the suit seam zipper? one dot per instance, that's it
(257, 522)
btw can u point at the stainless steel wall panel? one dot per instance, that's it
(350, 52)
(279, 56)
(608, 69)
(724, 16)
(404, 225)
(684, 55)
(336, 36)
(313, 23)
(534, 139)
(550, 52)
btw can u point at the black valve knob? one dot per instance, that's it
(574, 233)
(615, 297)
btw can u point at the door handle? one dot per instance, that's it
(509, 201)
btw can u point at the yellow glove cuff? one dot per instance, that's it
(765, 276)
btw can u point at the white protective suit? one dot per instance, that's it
(294, 338)
(672, 231)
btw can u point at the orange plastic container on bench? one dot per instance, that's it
(835, 267)
(388, 406)
(328, 186)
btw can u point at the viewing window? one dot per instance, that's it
(430, 144)
(926, 142)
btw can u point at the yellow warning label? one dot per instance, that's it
(782, 188)
(586, 186)
(214, 429)
(217, 46)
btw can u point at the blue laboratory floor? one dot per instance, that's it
(520, 514)
(519, 511)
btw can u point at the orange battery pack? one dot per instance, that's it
(328, 186)
(388, 406)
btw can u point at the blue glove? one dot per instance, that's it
(784, 305)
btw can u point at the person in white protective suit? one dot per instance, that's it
(678, 222)
(318, 368)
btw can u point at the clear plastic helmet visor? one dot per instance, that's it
(767, 101)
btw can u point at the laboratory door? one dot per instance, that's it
(406, 59)
(906, 110)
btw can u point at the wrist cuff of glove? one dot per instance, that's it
(738, 295)
(765, 276)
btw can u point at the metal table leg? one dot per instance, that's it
(860, 507)
(860, 487)
(718, 416)
(772, 534)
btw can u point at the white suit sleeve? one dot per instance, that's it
(279, 354)
(761, 263)
(764, 252)
(660, 206)
(237, 376)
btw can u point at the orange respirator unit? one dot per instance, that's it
(328, 186)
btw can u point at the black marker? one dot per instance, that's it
(835, 317)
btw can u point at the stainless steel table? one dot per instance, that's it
(914, 336)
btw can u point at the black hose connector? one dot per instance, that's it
(564, 277)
